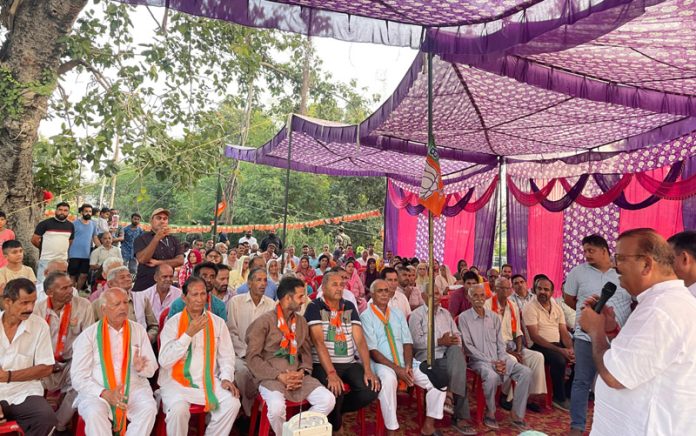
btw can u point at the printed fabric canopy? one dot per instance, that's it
(479, 118)
(455, 26)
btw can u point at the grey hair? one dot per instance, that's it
(470, 291)
(114, 272)
(50, 280)
(373, 286)
(500, 280)
(110, 262)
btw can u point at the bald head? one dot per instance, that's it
(643, 259)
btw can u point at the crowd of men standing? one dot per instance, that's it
(240, 326)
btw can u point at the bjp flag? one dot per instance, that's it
(432, 194)
(221, 206)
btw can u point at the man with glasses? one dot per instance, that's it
(582, 282)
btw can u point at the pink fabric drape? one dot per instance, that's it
(665, 216)
(602, 199)
(545, 246)
(460, 232)
(406, 244)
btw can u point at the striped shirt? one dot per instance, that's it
(318, 313)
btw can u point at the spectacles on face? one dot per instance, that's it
(623, 257)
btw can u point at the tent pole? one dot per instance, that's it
(287, 191)
(218, 199)
(431, 277)
(500, 213)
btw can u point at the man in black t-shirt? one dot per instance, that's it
(154, 248)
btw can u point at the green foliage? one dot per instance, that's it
(13, 91)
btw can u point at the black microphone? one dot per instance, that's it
(607, 292)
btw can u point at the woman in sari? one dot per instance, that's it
(194, 258)
(369, 275)
(308, 273)
(444, 279)
(462, 267)
(354, 285)
(422, 276)
(273, 271)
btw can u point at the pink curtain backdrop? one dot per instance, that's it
(545, 246)
(406, 244)
(460, 232)
(665, 216)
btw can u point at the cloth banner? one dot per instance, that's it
(545, 245)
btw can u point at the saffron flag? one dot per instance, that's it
(432, 194)
(221, 206)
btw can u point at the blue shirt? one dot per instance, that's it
(585, 280)
(219, 308)
(270, 291)
(376, 337)
(130, 234)
(82, 242)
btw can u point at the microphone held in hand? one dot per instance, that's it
(607, 292)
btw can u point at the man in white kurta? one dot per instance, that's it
(77, 311)
(176, 397)
(94, 400)
(646, 379)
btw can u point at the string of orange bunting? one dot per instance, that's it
(262, 227)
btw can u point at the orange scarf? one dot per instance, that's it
(62, 330)
(496, 309)
(288, 345)
(108, 373)
(181, 372)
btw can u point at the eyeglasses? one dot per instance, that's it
(622, 257)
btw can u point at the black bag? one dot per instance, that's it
(437, 374)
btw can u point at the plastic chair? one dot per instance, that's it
(477, 387)
(361, 413)
(264, 424)
(196, 410)
(420, 403)
(548, 401)
(11, 427)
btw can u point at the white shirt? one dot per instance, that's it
(158, 305)
(30, 346)
(41, 294)
(400, 301)
(172, 350)
(653, 357)
(241, 312)
(251, 240)
(86, 369)
(692, 289)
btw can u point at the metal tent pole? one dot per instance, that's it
(431, 278)
(287, 190)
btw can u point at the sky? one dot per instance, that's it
(376, 67)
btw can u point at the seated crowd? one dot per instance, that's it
(225, 326)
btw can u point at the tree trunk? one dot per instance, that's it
(304, 91)
(31, 52)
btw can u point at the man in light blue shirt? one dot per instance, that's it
(391, 351)
(78, 254)
(271, 288)
(582, 282)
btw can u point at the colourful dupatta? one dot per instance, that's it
(108, 373)
(390, 338)
(288, 345)
(181, 372)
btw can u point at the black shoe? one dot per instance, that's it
(533, 407)
(505, 404)
(562, 405)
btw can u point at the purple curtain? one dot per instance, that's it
(517, 224)
(689, 204)
(485, 233)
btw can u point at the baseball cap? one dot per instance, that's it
(158, 211)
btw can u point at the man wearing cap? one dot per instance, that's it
(154, 248)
